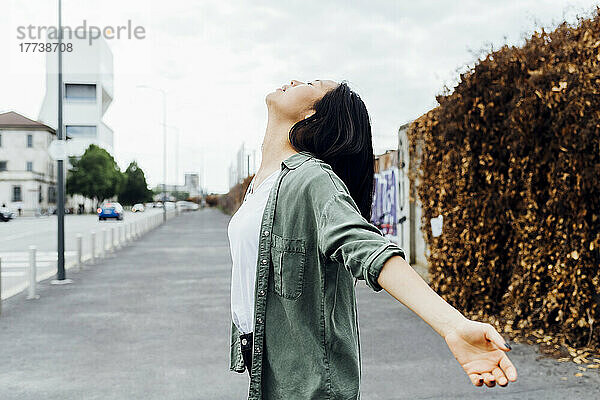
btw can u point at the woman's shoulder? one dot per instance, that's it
(317, 179)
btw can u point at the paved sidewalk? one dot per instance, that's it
(152, 322)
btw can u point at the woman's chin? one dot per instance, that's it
(271, 96)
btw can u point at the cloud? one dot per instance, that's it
(217, 60)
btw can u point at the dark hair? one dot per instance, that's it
(339, 133)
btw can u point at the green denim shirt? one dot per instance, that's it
(314, 244)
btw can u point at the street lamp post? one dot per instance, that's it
(176, 129)
(164, 99)
(60, 265)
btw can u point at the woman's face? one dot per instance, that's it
(294, 101)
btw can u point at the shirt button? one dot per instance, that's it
(264, 261)
(257, 349)
(259, 320)
(261, 292)
(266, 233)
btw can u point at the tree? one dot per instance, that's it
(180, 195)
(95, 175)
(134, 189)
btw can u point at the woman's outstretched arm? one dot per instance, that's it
(477, 346)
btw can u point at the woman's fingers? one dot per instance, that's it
(489, 379)
(476, 379)
(508, 368)
(492, 335)
(500, 377)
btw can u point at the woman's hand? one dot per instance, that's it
(481, 351)
(477, 346)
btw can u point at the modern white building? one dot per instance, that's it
(244, 165)
(87, 94)
(192, 184)
(27, 173)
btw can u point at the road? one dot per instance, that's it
(152, 322)
(20, 233)
(17, 235)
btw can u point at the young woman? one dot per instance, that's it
(299, 242)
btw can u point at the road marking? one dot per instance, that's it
(12, 273)
(24, 234)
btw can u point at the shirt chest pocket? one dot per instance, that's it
(288, 257)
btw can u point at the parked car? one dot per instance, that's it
(110, 210)
(187, 205)
(139, 207)
(5, 214)
(170, 205)
(53, 210)
(158, 204)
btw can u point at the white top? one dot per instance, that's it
(244, 233)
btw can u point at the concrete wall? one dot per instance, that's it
(417, 249)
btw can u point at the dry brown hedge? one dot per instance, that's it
(511, 159)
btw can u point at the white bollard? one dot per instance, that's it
(110, 240)
(122, 233)
(104, 243)
(93, 243)
(31, 272)
(79, 251)
(115, 238)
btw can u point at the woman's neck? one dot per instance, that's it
(276, 146)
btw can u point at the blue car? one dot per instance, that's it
(110, 210)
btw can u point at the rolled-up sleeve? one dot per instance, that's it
(345, 236)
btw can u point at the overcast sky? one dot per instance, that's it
(217, 59)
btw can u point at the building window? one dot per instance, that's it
(3, 165)
(29, 166)
(51, 194)
(16, 194)
(78, 91)
(81, 131)
(29, 140)
(0, 140)
(40, 197)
